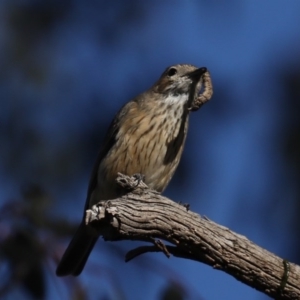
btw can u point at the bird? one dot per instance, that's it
(146, 137)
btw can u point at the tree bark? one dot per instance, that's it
(143, 214)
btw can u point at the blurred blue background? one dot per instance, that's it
(66, 69)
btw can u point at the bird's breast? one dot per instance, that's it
(150, 142)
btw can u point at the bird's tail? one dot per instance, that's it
(77, 253)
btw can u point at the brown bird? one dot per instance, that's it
(146, 137)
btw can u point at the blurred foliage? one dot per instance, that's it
(26, 234)
(291, 148)
(173, 292)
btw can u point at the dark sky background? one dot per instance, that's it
(66, 69)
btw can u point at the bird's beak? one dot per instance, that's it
(197, 73)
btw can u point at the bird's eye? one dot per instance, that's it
(172, 72)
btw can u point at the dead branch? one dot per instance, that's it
(143, 214)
